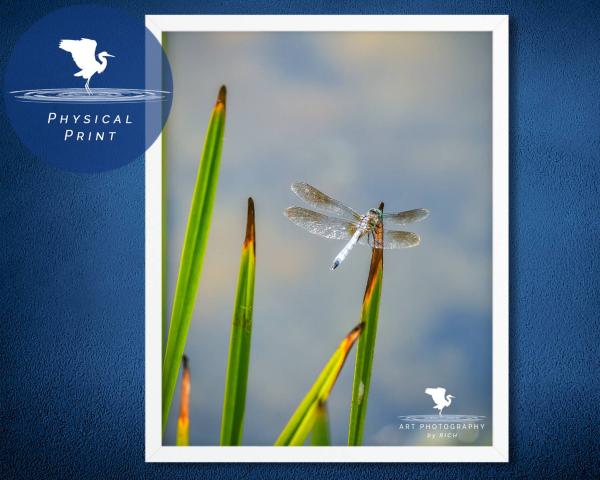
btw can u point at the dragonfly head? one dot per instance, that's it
(375, 212)
(375, 216)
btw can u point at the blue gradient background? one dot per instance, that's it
(72, 274)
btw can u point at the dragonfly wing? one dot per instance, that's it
(393, 239)
(319, 224)
(399, 239)
(322, 202)
(404, 218)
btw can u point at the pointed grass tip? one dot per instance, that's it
(352, 337)
(355, 332)
(222, 98)
(250, 228)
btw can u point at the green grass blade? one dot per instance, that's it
(234, 400)
(183, 422)
(194, 246)
(366, 344)
(320, 434)
(302, 421)
(305, 426)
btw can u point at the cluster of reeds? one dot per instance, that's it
(311, 416)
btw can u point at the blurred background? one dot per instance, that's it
(404, 118)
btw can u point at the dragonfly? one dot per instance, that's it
(335, 220)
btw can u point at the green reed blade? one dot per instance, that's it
(183, 422)
(302, 421)
(320, 433)
(366, 345)
(305, 426)
(194, 246)
(234, 401)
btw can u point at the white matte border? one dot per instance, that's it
(498, 452)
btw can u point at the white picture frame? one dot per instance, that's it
(498, 451)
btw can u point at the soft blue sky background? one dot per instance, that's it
(404, 118)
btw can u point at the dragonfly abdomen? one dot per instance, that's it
(346, 250)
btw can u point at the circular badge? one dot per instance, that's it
(88, 88)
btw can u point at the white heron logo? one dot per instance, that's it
(84, 55)
(83, 52)
(440, 398)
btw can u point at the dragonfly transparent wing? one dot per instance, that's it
(404, 218)
(319, 224)
(323, 203)
(393, 239)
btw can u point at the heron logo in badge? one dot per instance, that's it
(83, 53)
(98, 93)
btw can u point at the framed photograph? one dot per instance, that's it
(327, 241)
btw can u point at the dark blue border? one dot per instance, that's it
(72, 273)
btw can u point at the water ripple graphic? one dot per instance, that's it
(442, 418)
(97, 96)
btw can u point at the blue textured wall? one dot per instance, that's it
(72, 274)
